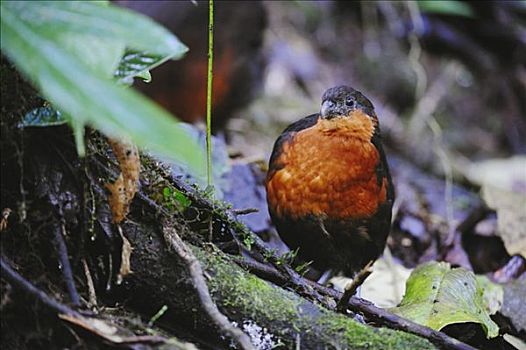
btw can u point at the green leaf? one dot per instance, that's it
(79, 132)
(47, 116)
(100, 54)
(448, 7)
(90, 18)
(85, 94)
(137, 64)
(493, 294)
(43, 117)
(437, 296)
(175, 199)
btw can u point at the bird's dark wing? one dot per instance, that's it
(382, 169)
(380, 224)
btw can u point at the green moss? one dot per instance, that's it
(246, 292)
(342, 330)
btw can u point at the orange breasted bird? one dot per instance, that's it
(329, 190)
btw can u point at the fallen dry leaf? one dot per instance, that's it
(3, 221)
(124, 188)
(386, 285)
(108, 331)
(511, 217)
(125, 268)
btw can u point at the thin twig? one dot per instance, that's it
(442, 155)
(210, 228)
(20, 283)
(352, 287)
(176, 243)
(415, 49)
(300, 284)
(264, 271)
(89, 280)
(245, 211)
(430, 100)
(59, 230)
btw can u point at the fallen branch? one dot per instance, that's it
(244, 211)
(62, 251)
(176, 243)
(20, 283)
(92, 295)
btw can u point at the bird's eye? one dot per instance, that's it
(349, 102)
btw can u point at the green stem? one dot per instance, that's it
(209, 92)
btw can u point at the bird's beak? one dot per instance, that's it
(326, 106)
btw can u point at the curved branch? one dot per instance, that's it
(176, 243)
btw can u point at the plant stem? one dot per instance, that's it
(209, 92)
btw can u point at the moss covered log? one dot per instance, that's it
(271, 315)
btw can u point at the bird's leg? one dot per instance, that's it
(351, 288)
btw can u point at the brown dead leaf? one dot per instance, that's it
(3, 221)
(118, 200)
(511, 217)
(108, 331)
(503, 183)
(507, 174)
(124, 188)
(386, 285)
(125, 268)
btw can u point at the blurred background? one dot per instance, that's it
(447, 79)
(448, 82)
(457, 64)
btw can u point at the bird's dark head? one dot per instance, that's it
(341, 101)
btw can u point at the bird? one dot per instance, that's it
(329, 190)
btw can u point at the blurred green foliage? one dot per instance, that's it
(448, 7)
(42, 117)
(73, 50)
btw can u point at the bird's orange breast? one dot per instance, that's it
(328, 170)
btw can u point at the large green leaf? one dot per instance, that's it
(85, 93)
(90, 18)
(437, 296)
(100, 54)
